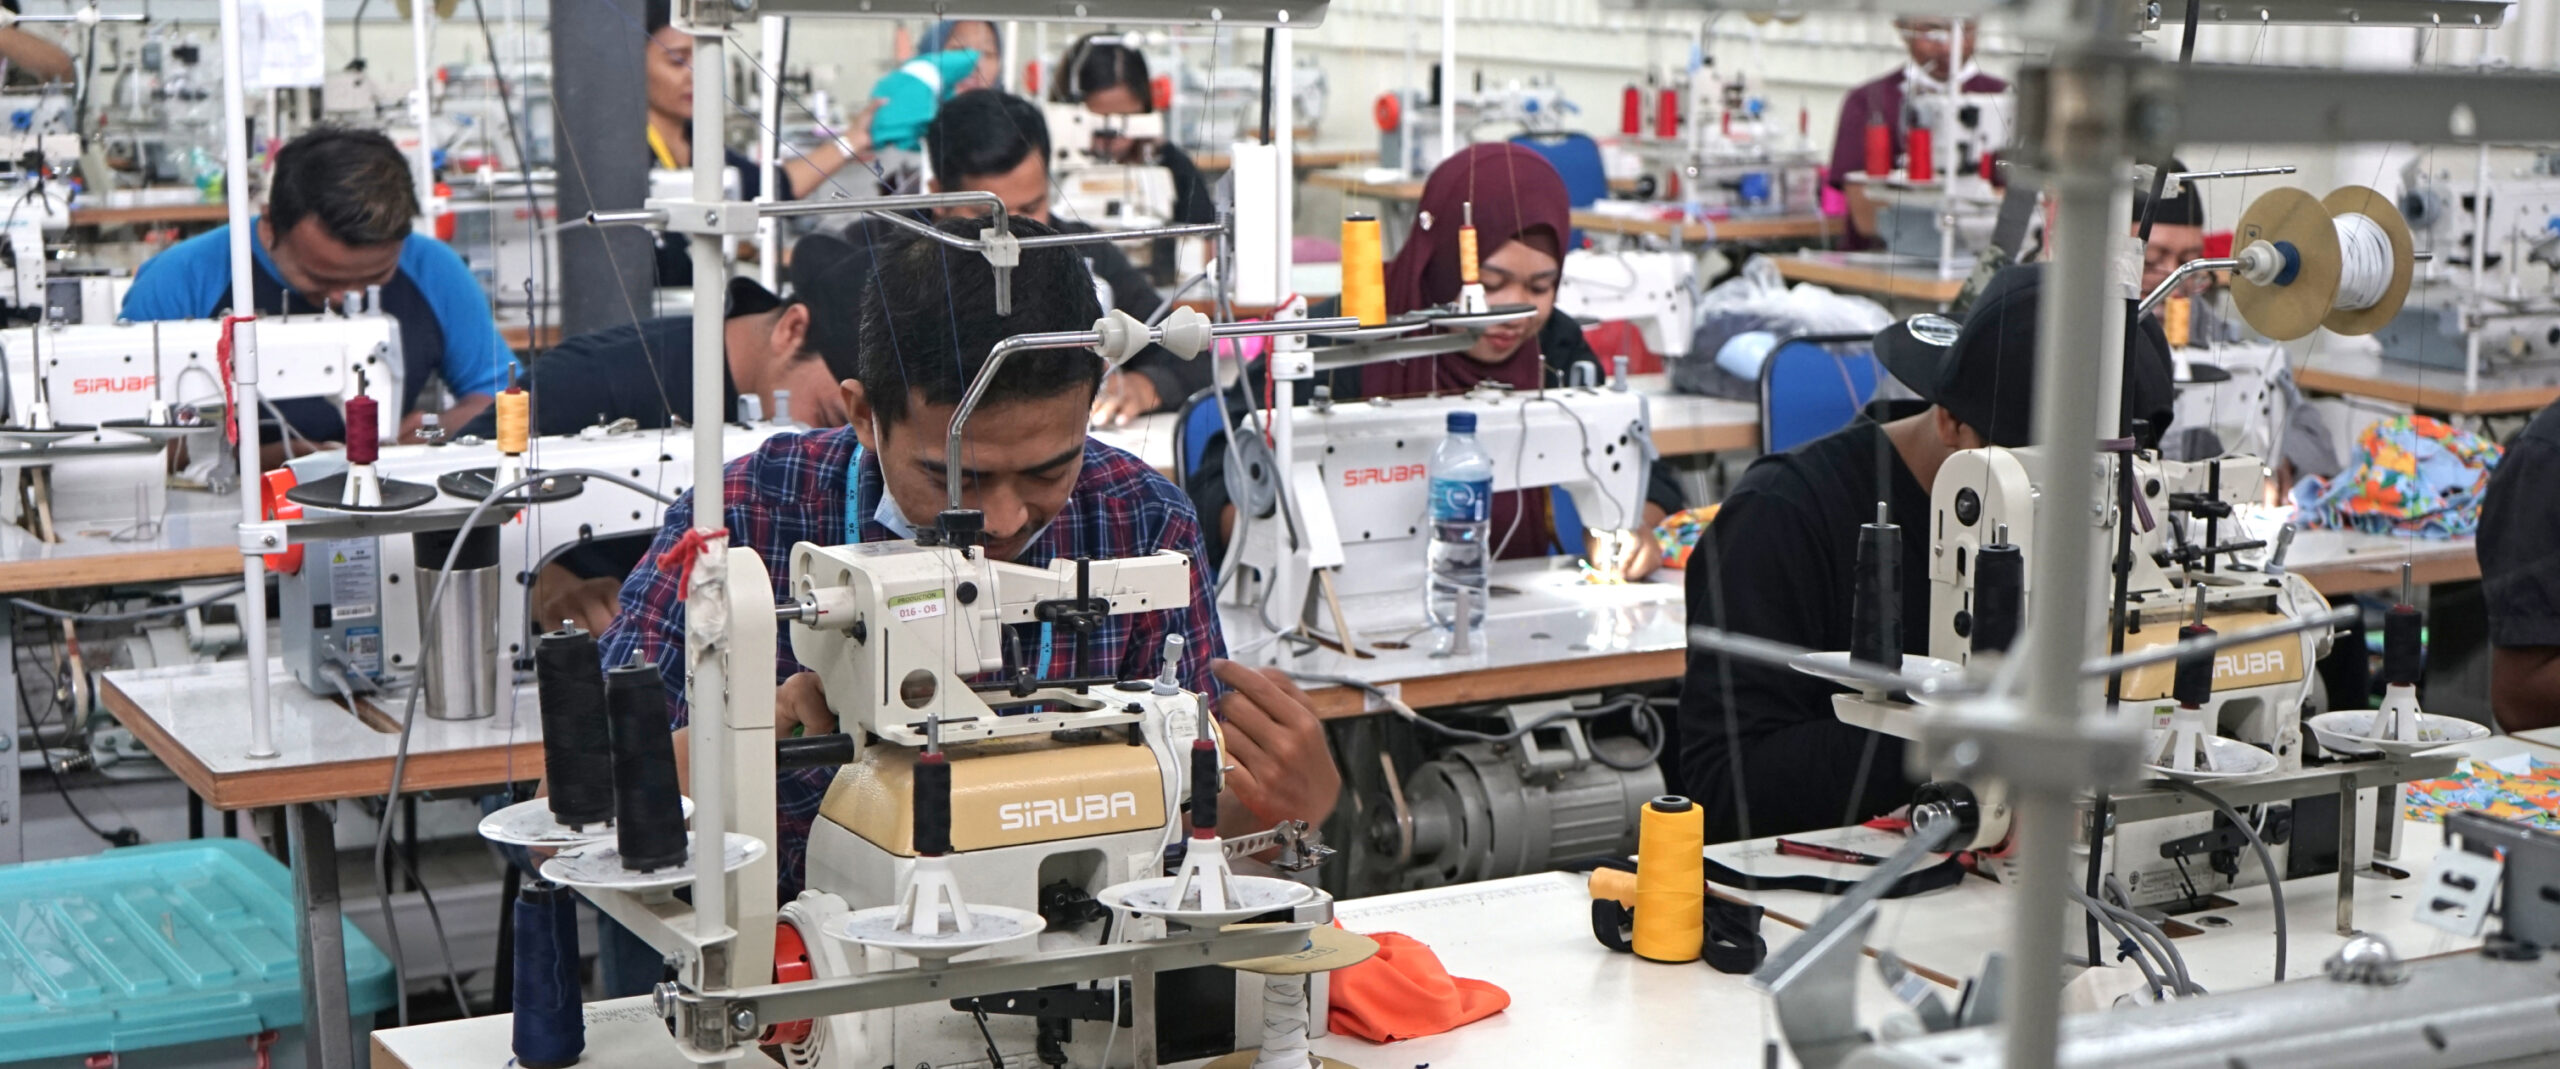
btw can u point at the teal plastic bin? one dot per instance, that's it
(173, 954)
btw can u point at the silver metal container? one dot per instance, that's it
(459, 666)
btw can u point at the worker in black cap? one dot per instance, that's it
(643, 372)
(1759, 746)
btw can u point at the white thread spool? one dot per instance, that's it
(1284, 1024)
(2364, 262)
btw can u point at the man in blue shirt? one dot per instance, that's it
(338, 222)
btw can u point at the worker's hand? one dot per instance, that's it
(800, 708)
(559, 594)
(1122, 398)
(1283, 768)
(1624, 558)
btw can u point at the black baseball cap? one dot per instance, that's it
(1983, 370)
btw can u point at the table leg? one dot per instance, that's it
(195, 814)
(13, 846)
(2347, 861)
(320, 937)
(2386, 822)
(1142, 1017)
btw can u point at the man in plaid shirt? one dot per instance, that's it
(1046, 491)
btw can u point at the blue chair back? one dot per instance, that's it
(1813, 385)
(1576, 158)
(1203, 418)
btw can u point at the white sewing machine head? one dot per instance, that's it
(1359, 487)
(1656, 290)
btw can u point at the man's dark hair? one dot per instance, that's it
(929, 317)
(355, 182)
(656, 15)
(983, 132)
(1100, 61)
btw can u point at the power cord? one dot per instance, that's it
(2267, 860)
(426, 652)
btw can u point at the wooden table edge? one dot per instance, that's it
(147, 566)
(263, 788)
(2430, 398)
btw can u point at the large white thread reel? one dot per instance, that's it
(2343, 262)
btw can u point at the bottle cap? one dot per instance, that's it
(1462, 423)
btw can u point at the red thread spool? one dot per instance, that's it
(1727, 124)
(1666, 114)
(364, 430)
(1923, 165)
(1631, 112)
(1990, 168)
(1804, 122)
(1879, 149)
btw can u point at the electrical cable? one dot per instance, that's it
(1270, 39)
(2126, 945)
(2112, 895)
(426, 651)
(23, 605)
(2266, 860)
(27, 712)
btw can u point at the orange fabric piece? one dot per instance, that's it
(1405, 992)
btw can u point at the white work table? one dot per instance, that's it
(1572, 1001)
(1545, 632)
(1945, 933)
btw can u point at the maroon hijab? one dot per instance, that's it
(1517, 196)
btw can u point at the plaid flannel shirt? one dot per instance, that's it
(793, 489)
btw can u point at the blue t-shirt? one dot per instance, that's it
(445, 326)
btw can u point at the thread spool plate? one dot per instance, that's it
(1328, 948)
(530, 823)
(398, 495)
(475, 484)
(2373, 205)
(2351, 731)
(989, 925)
(41, 436)
(1255, 895)
(2292, 311)
(1836, 666)
(597, 866)
(2233, 757)
(160, 432)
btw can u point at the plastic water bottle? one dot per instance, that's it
(1461, 523)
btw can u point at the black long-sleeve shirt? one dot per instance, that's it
(1779, 563)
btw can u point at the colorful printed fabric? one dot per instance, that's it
(1678, 534)
(2478, 787)
(2409, 475)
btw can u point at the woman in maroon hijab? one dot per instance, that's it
(1522, 218)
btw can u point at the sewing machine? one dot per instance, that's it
(1658, 291)
(1358, 495)
(352, 607)
(141, 385)
(1949, 215)
(2180, 573)
(2471, 308)
(1093, 182)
